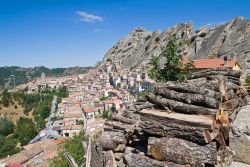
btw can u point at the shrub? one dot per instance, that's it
(157, 39)
(148, 37)
(74, 147)
(247, 80)
(6, 127)
(106, 114)
(25, 130)
(146, 48)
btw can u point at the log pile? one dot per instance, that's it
(181, 124)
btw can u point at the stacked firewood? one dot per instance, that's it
(181, 124)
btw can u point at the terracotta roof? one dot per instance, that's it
(88, 109)
(59, 140)
(211, 63)
(73, 115)
(15, 165)
(107, 101)
(99, 105)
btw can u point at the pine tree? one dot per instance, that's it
(173, 70)
(154, 71)
(173, 67)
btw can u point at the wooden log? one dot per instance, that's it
(180, 107)
(182, 151)
(110, 139)
(220, 139)
(70, 159)
(118, 125)
(195, 128)
(190, 88)
(143, 106)
(122, 119)
(201, 121)
(205, 73)
(135, 160)
(128, 128)
(231, 104)
(196, 99)
(236, 82)
(216, 84)
(165, 129)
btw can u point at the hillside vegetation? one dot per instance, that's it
(17, 132)
(23, 75)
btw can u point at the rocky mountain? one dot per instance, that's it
(231, 39)
(23, 75)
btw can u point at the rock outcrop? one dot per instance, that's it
(240, 141)
(230, 39)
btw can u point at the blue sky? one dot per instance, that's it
(63, 33)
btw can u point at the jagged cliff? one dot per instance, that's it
(231, 39)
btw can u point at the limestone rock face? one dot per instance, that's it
(231, 39)
(240, 143)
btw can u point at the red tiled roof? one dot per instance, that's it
(212, 63)
(88, 109)
(99, 105)
(59, 140)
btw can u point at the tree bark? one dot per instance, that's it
(182, 152)
(207, 122)
(143, 106)
(190, 88)
(135, 160)
(110, 139)
(180, 107)
(122, 119)
(165, 129)
(209, 72)
(231, 104)
(195, 99)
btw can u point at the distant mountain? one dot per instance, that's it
(231, 39)
(23, 75)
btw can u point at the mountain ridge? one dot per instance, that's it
(25, 74)
(231, 39)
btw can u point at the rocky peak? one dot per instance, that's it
(230, 39)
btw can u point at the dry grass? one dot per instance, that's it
(14, 114)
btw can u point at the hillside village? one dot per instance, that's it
(91, 95)
(107, 103)
(109, 90)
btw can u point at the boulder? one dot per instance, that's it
(240, 140)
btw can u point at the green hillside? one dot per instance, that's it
(23, 75)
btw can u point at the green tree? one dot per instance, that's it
(25, 130)
(173, 70)
(75, 148)
(6, 127)
(6, 98)
(7, 146)
(154, 71)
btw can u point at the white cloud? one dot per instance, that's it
(88, 17)
(96, 30)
